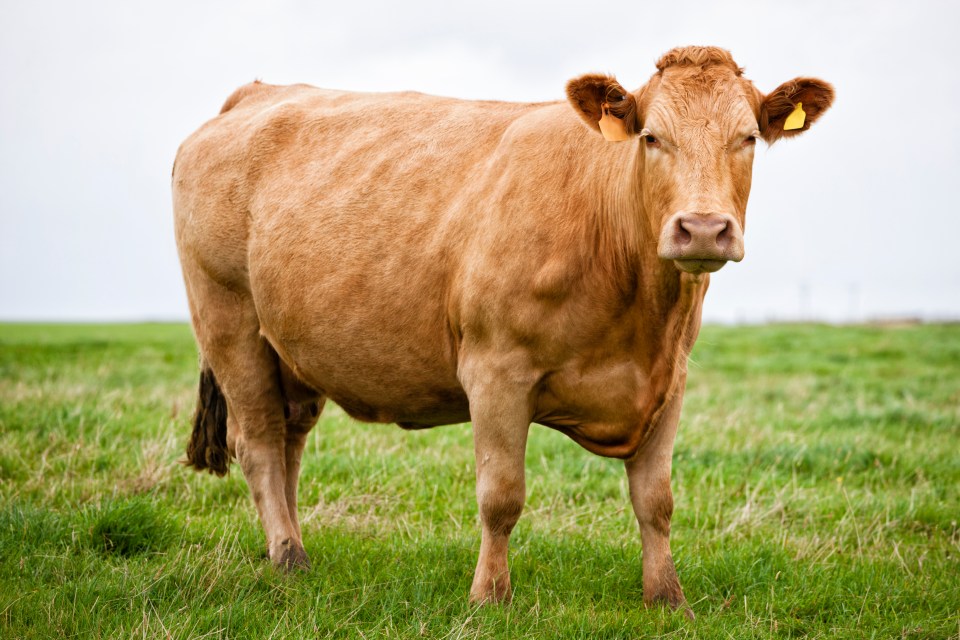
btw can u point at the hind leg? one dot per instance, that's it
(228, 332)
(296, 437)
(302, 410)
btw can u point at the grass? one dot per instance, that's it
(816, 477)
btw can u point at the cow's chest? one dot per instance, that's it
(608, 406)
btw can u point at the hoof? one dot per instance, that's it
(292, 556)
(673, 601)
(498, 592)
(665, 589)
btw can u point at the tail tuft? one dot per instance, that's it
(207, 448)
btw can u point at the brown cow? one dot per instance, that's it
(427, 261)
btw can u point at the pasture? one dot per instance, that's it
(816, 478)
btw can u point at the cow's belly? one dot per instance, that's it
(360, 324)
(374, 376)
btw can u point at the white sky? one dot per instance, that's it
(856, 219)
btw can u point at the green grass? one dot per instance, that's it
(816, 477)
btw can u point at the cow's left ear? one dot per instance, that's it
(780, 116)
(595, 97)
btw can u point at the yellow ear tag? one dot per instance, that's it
(796, 118)
(612, 127)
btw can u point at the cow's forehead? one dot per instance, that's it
(693, 96)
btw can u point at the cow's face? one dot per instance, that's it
(696, 125)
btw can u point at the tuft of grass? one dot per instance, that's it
(126, 527)
(816, 481)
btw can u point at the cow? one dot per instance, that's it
(425, 261)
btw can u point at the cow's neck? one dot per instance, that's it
(664, 303)
(626, 241)
(666, 308)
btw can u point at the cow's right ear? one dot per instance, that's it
(595, 97)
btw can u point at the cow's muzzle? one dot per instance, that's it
(701, 242)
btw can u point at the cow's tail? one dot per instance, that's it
(207, 448)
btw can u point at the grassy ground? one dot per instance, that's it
(817, 482)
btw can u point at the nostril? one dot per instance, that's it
(725, 235)
(682, 234)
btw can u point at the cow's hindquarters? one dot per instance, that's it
(266, 442)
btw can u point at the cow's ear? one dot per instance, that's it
(792, 107)
(595, 97)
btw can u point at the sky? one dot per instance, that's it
(855, 220)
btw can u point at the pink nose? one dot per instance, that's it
(702, 233)
(701, 236)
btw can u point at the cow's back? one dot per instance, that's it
(341, 216)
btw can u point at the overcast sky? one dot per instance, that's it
(858, 218)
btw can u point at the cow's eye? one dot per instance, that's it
(749, 141)
(649, 139)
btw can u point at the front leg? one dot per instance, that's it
(500, 412)
(648, 473)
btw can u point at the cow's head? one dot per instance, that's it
(695, 125)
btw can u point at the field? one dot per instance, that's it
(816, 477)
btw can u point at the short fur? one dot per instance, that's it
(425, 261)
(237, 96)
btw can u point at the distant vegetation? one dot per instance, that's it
(816, 476)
